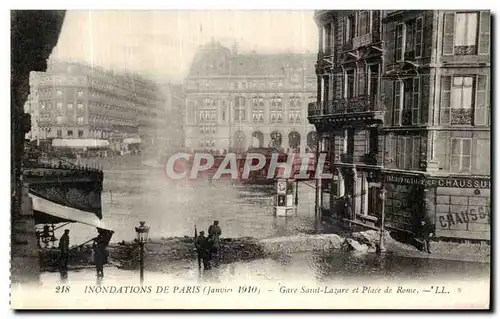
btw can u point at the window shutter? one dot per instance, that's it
(361, 81)
(415, 118)
(481, 106)
(445, 100)
(376, 21)
(449, 28)
(399, 42)
(397, 103)
(424, 100)
(419, 37)
(416, 152)
(484, 33)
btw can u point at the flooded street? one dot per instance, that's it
(134, 192)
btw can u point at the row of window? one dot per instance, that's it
(47, 107)
(121, 95)
(135, 88)
(59, 92)
(276, 115)
(464, 98)
(96, 120)
(81, 133)
(464, 101)
(407, 152)
(273, 85)
(353, 82)
(62, 79)
(208, 129)
(354, 25)
(80, 120)
(258, 101)
(106, 108)
(464, 33)
(207, 141)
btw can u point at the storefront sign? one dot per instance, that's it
(439, 182)
(471, 215)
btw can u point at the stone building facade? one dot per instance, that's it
(78, 101)
(426, 132)
(235, 101)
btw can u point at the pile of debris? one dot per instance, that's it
(165, 251)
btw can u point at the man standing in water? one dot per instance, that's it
(64, 249)
(202, 245)
(99, 247)
(214, 233)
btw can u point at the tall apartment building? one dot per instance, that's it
(404, 113)
(78, 101)
(235, 101)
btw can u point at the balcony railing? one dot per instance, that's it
(461, 116)
(365, 40)
(346, 158)
(358, 104)
(314, 109)
(369, 158)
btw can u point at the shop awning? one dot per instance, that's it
(47, 210)
(80, 143)
(132, 141)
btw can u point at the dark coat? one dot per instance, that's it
(214, 233)
(203, 245)
(100, 253)
(64, 244)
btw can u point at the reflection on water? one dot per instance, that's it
(173, 208)
(338, 266)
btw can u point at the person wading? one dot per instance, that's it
(201, 243)
(100, 254)
(424, 234)
(64, 249)
(214, 232)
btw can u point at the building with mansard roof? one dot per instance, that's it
(235, 101)
(404, 112)
(78, 101)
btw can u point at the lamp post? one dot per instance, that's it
(142, 237)
(382, 220)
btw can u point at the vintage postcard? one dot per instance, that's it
(251, 159)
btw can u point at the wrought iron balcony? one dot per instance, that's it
(365, 40)
(347, 158)
(314, 109)
(369, 159)
(358, 104)
(461, 116)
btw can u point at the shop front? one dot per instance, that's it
(458, 207)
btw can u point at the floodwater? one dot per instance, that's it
(134, 192)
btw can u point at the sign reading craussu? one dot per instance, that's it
(439, 182)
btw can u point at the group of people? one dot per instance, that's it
(99, 248)
(208, 247)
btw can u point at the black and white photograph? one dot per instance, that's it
(251, 159)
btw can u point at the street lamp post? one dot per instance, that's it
(382, 220)
(142, 237)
